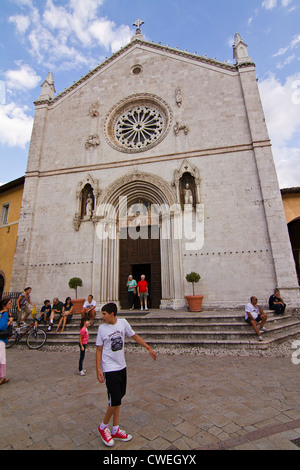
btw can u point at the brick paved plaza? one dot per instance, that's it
(179, 402)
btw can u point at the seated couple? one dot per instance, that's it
(64, 312)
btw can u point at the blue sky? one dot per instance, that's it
(70, 37)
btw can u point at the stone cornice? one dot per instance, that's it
(142, 160)
(149, 45)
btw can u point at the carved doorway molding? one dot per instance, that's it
(106, 274)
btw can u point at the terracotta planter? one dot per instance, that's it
(194, 302)
(77, 304)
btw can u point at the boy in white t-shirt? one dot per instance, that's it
(110, 351)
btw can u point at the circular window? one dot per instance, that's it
(136, 69)
(139, 127)
(137, 123)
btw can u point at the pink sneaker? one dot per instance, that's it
(106, 436)
(122, 436)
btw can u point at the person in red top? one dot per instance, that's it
(142, 288)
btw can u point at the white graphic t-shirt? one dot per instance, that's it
(112, 338)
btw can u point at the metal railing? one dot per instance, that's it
(14, 297)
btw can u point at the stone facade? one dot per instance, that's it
(140, 126)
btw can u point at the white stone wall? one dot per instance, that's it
(246, 249)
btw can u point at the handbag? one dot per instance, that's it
(4, 334)
(33, 312)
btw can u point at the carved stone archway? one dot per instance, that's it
(127, 190)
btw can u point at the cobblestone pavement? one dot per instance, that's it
(179, 402)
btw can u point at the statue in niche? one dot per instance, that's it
(187, 194)
(187, 190)
(87, 202)
(89, 206)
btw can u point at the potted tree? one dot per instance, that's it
(74, 283)
(194, 301)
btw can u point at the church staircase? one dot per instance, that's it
(208, 329)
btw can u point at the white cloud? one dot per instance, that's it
(15, 126)
(270, 4)
(287, 61)
(57, 35)
(108, 36)
(281, 103)
(295, 42)
(24, 78)
(21, 22)
(281, 109)
(288, 166)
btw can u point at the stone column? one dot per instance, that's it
(171, 262)
(106, 262)
(284, 266)
(20, 273)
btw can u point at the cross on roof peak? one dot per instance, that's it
(138, 25)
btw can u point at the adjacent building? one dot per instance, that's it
(10, 206)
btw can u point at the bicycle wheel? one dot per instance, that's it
(36, 339)
(13, 339)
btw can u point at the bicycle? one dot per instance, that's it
(36, 336)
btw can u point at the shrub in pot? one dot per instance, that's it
(74, 283)
(194, 301)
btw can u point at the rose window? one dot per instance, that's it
(137, 123)
(139, 127)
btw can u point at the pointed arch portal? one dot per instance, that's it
(130, 238)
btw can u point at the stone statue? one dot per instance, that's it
(180, 127)
(89, 206)
(93, 141)
(178, 96)
(187, 194)
(93, 111)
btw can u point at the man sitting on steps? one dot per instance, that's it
(255, 315)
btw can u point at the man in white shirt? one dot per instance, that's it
(89, 309)
(255, 315)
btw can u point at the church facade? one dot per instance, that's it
(157, 162)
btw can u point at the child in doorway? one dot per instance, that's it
(110, 351)
(83, 341)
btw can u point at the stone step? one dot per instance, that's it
(151, 335)
(187, 327)
(205, 329)
(151, 318)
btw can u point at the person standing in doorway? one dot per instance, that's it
(131, 287)
(142, 288)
